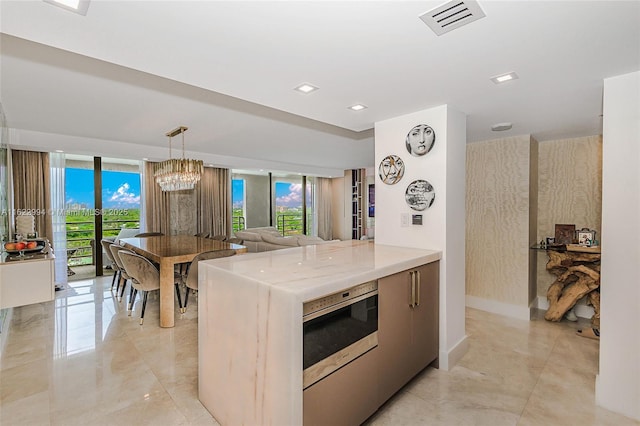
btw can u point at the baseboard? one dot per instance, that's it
(447, 360)
(500, 308)
(580, 309)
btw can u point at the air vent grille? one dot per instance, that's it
(452, 15)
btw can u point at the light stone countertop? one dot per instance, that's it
(250, 322)
(314, 271)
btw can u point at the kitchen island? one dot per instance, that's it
(250, 326)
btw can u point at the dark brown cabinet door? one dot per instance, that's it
(407, 325)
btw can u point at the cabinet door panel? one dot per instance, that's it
(394, 332)
(425, 333)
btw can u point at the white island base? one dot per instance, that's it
(250, 322)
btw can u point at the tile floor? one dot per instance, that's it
(80, 360)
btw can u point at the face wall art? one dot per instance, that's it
(420, 140)
(420, 195)
(391, 169)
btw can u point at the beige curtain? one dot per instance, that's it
(157, 204)
(31, 190)
(323, 208)
(213, 201)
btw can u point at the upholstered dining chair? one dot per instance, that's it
(124, 276)
(202, 235)
(191, 279)
(148, 234)
(106, 244)
(219, 237)
(145, 278)
(235, 241)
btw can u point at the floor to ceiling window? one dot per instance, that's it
(97, 211)
(239, 203)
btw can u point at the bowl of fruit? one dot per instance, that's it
(24, 246)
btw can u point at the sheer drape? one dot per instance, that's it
(31, 188)
(58, 215)
(157, 204)
(323, 208)
(213, 201)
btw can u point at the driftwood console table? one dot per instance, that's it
(577, 271)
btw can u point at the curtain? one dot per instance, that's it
(323, 208)
(157, 204)
(58, 215)
(213, 202)
(31, 189)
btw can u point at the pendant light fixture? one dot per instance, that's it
(178, 174)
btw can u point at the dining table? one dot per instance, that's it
(168, 251)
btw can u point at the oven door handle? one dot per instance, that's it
(316, 314)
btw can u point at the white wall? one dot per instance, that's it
(618, 383)
(443, 223)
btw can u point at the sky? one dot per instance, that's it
(287, 194)
(119, 189)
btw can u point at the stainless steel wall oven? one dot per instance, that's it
(337, 329)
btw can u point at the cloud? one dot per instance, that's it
(293, 198)
(123, 196)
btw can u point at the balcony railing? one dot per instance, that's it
(81, 239)
(237, 223)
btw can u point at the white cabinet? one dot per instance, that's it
(23, 282)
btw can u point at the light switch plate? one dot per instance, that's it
(405, 219)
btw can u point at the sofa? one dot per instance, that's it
(269, 238)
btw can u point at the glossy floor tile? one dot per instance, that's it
(81, 360)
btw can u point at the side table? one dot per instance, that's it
(577, 271)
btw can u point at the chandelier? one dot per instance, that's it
(178, 174)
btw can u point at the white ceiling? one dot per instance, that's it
(122, 76)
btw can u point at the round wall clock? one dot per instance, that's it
(420, 140)
(420, 195)
(391, 169)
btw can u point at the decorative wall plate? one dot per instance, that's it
(391, 169)
(420, 195)
(420, 140)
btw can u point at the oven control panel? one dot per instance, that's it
(338, 297)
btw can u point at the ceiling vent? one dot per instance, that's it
(452, 15)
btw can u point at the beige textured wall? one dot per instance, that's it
(497, 232)
(570, 191)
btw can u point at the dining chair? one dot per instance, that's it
(235, 241)
(124, 276)
(202, 235)
(191, 278)
(145, 278)
(219, 237)
(148, 234)
(106, 244)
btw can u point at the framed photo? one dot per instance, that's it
(586, 237)
(565, 233)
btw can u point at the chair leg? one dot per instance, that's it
(113, 280)
(133, 299)
(179, 298)
(186, 298)
(121, 282)
(144, 305)
(131, 296)
(124, 286)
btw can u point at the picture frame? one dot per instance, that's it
(586, 237)
(565, 233)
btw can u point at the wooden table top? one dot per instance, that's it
(180, 248)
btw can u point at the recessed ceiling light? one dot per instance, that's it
(357, 107)
(502, 78)
(500, 127)
(145, 159)
(59, 150)
(306, 88)
(77, 6)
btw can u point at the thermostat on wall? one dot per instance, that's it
(416, 219)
